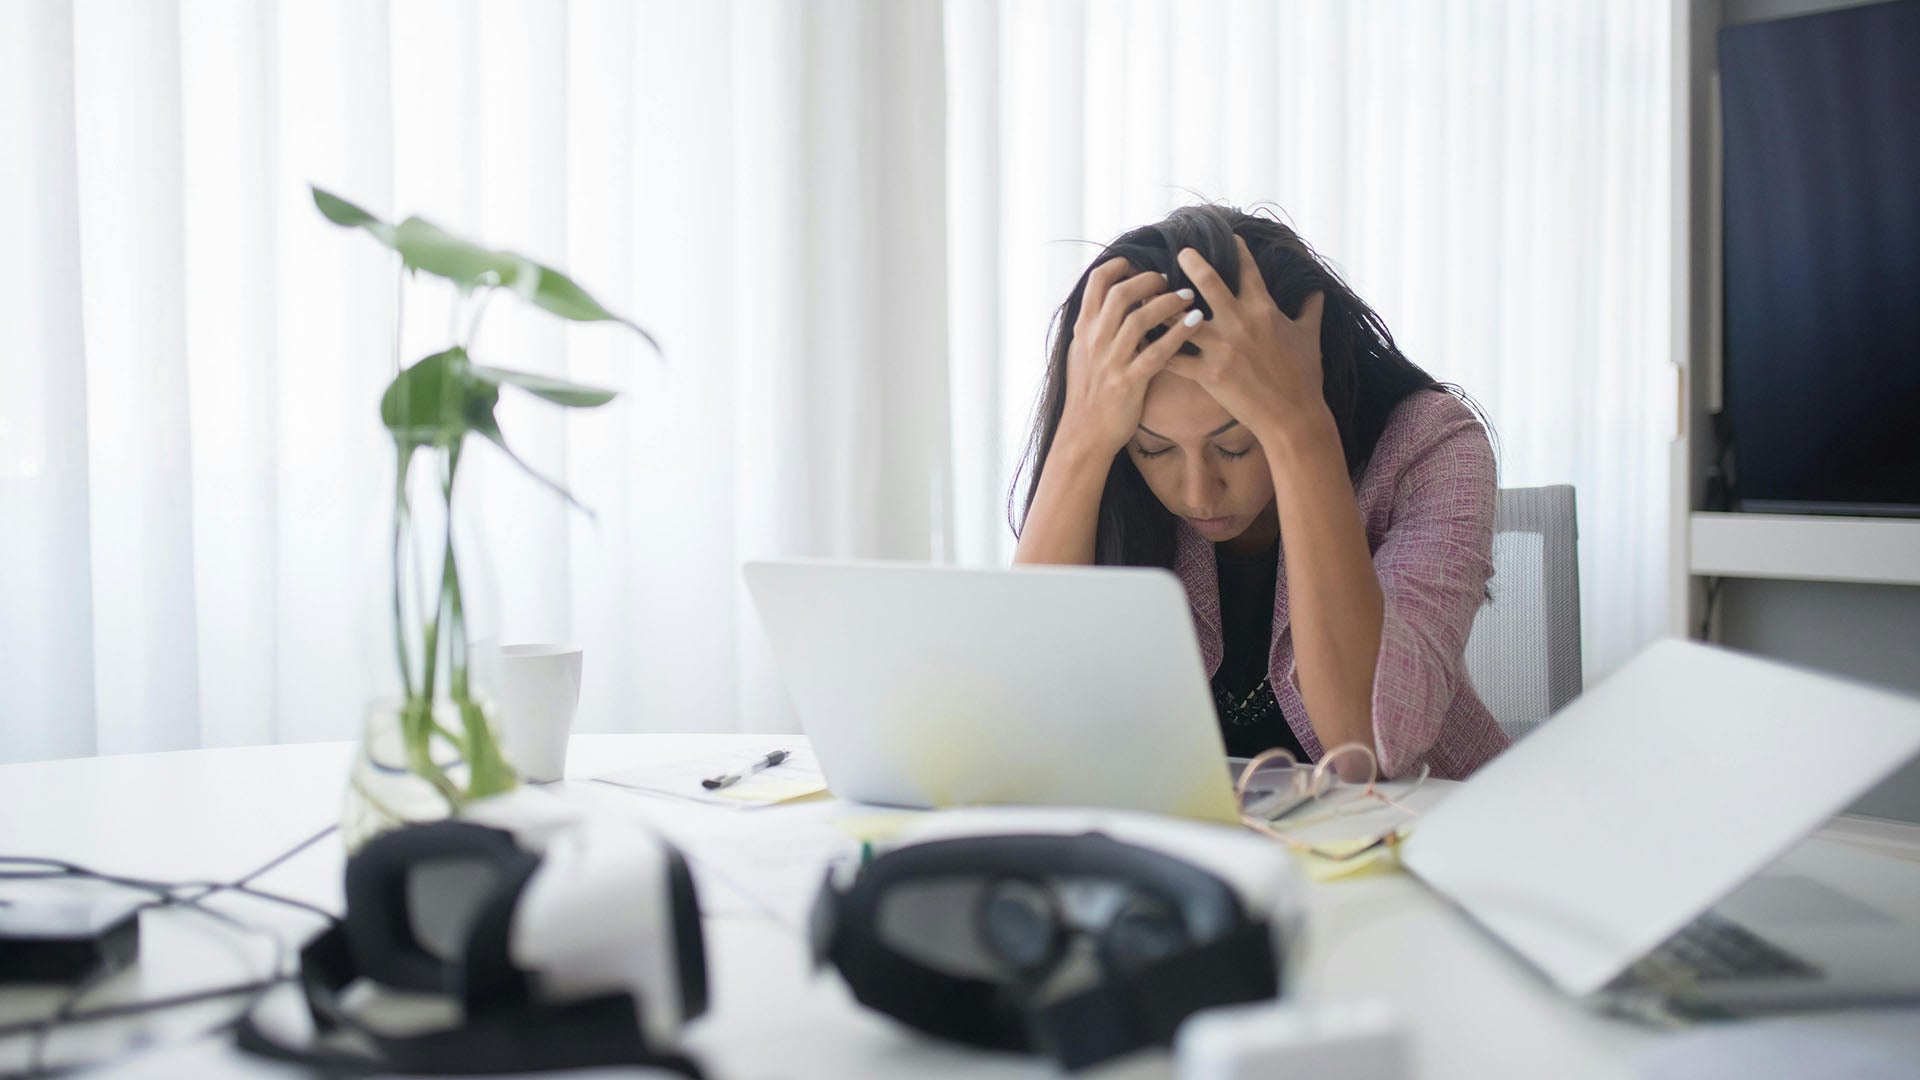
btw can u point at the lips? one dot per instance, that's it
(1210, 526)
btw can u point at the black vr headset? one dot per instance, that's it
(1079, 945)
(565, 942)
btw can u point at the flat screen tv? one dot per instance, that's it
(1821, 228)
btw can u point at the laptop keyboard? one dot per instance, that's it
(1715, 949)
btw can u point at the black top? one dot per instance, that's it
(1250, 716)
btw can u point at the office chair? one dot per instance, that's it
(1524, 651)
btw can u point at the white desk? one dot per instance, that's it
(215, 814)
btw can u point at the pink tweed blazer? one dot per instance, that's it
(1426, 499)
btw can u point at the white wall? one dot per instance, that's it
(1867, 632)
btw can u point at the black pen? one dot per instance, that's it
(712, 783)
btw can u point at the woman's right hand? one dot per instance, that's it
(1107, 369)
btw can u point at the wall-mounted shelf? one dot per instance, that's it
(1879, 551)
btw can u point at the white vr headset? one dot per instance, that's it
(567, 941)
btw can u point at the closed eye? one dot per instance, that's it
(1146, 453)
(1233, 455)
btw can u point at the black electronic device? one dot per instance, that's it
(66, 941)
(1077, 945)
(1821, 188)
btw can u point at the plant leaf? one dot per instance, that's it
(490, 428)
(340, 211)
(442, 397)
(426, 246)
(558, 391)
(559, 294)
(431, 402)
(347, 215)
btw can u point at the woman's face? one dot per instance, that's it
(1203, 465)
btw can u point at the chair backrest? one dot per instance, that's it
(1524, 652)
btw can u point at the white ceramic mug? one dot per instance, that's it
(536, 689)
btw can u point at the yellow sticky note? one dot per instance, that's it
(1382, 860)
(875, 828)
(771, 790)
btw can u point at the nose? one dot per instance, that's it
(1200, 482)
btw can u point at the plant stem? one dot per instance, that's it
(400, 521)
(399, 309)
(417, 727)
(432, 654)
(418, 724)
(450, 584)
(473, 328)
(460, 295)
(487, 772)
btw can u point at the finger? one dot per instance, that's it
(1165, 351)
(1121, 299)
(1210, 341)
(1095, 294)
(1201, 273)
(1187, 295)
(1156, 311)
(1310, 312)
(1185, 365)
(1252, 284)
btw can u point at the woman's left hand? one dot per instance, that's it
(1262, 367)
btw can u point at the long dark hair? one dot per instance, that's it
(1363, 372)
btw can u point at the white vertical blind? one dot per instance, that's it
(196, 485)
(139, 453)
(46, 581)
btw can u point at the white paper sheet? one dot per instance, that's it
(680, 778)
(777, 860)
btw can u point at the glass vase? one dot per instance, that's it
(430, 742)
(384, 788)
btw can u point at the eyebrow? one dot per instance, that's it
(1216, 431)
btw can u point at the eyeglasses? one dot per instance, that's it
(1275, 784)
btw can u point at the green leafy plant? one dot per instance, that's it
(429, 409)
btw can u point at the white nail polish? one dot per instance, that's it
(1185, 294)
(1193, 317)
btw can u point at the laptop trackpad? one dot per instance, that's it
(1783, 899)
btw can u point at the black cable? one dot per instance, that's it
(42, 1029)
(54, 868)
(164, 893)
(240, 885)
(285, 855)
(164, 890)
(215, 887)
(1706, 616)
(67, 1014)
(136, 1008)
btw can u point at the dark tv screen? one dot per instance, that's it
(1821, 175)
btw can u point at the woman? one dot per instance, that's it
(1218, 402)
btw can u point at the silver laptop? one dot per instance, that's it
(1644, 848)
(930, 686)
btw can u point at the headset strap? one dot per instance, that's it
(598, 1031)
(973, 1011)
(1130, 1010)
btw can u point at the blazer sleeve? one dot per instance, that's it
(1433, 565)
